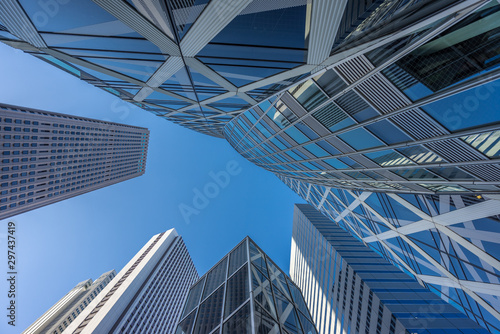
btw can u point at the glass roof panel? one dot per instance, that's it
(360, 139)
(241, 75)
(100, 43)
(282, 27)
(83, 16)
(138, 69)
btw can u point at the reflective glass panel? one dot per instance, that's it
(278, 279)
(388, 158)
(416, 174)
(209, 313)
(420, 154)
(297, 298)
(237, 290)
(286, 313)
(360, 139)
(388, 132)
(453, 174)
(330, 82)
(257, 258)
(186, 325)
(194, 297)
(237, 257)
(264, 323)
(471, 108)
(296, 135)
(307, 325)
(240, 322)
(487, 143)
(308, 95)
(262, 291)
(215, 277)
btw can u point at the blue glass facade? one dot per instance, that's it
(449, 243)
(352, 289)
(416, 115)
(186, 61)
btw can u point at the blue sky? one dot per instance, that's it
(65, 243)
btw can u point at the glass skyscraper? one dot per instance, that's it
(383, 114)
(351, 289)
(48, 157)
(416, 115)
(201, 63)
(146, 296)
(245, 292)
(449, 243)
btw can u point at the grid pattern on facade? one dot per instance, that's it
(448, 243)
(48, 157)
(351, 289)
(414, 116)
(148, 295)
(241, 296)
(158, 308)
(117, 285)
(68, 308)
(185, 61)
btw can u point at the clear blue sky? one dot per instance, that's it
(65, 243)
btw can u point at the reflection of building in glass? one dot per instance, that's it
(241, 296)
(418, 114)
(65, 311)
(48, 157)
(186, 61)
(147, 294)
(449, 243)
(352, 289)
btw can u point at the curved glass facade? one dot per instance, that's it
(197, 63)
(449, 243)
(417, 115)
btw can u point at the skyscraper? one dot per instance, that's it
(186, 61)
(352, 289)
(418, 114)
(394, 100)
(245, 292)
(65, 311)
(146, 296)
(449, 243)
(48, 157)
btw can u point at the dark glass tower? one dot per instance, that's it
(245, 293)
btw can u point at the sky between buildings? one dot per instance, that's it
(68, 242)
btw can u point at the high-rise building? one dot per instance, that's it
(186, 61)
(65, 311)
(245, 293)
(394, 100)
(146, 296)
(351, 289)
(418, 114)
(48, 157)
(449, 243)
